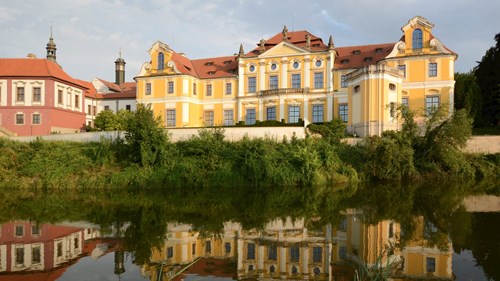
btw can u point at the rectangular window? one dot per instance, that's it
(294, 253)
(77, 101)
(317, 113)
(106, 107)
(293, 114)
(128, 107)
(229, 89)
(295, 81)
(208, 247)
(251, 251)
(271, 113)
(272, 252)
(20, 94)
(318, 80)
(317, 254)
(343, 252)
(35, 255)
(36, 119)
(208, 117)
(94, 110)
(19, 230)
(402, 67)
(430, 264)
(250, 118)
(227, 247)
(252, 84)
(59, 249)
(431, 104)
(20, 119)
(228, 117)
(404, 101)
(170, 87)
(35, 230)
(343, 82)
(193, 249)
(170, 252)
(89, 109)
(343, 224)
(19, 256)
(343, 112)
(76, 243)
(59, 96)
(209, 90)
(273, 82)
(433, 69)
(148, 88)
(171, 118)
(37, 94)
(194, 89)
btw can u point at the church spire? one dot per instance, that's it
(331, 46)
(51, 48)
(120, 69)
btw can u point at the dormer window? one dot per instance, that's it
(210, 63)
(227, 62)
(378, 50)
(187, 67)
(356, 52)
(316, 45)
(368, 59)
(345, 61)
(161, 61)
(211, 73)
(417, 39)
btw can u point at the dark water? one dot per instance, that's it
(418, 231)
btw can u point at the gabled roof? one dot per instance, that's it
(297, 38)
(216, 67)
(111, 86)
(126, 90)
(359, 56)
(32, 67)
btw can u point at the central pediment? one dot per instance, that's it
(283, 49)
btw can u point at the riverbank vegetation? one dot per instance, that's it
(146, 157)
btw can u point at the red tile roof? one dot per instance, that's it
(359, 56)
(112, 86)
(31, 67)
(297, 38)
(216, 67)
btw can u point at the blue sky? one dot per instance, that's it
(90, 33)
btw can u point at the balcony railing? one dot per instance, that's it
(280, 91)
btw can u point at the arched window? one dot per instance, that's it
(417, 39)
(161, 61)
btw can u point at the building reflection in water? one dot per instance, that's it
(286, 249)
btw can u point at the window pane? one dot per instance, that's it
(294, 253)
(433, 69)
(343, 82)
(271, 113)
(318, 80)
(343, 112)
(317, 254)
(250, 118)
(161, 61)
(36, 119)
(171, 118)
(209, 118)
(170, 87)
(293, 114)
(252, 84)
(317, 113)
(251, 251)
(417, 39)
(37, 94)
(295, 81)
(228, 117)
(209, 90)
(273, 82)
(229, 89)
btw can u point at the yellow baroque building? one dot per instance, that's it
(295, 76)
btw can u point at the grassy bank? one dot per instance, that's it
(146, 158)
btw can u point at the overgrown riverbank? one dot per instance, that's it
(147, 158)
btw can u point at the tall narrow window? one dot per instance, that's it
(228, 117)
(404, 101)
(273, 82)
(433, 69)
(430, 264)
(170, 252)
(19, 256)
(208, 118)
(209, 90)
(35, 255)
(252, 84)
(37, 94)
(402, 67)
(343, 112)
(295, 81)
(272, 252)
(194, 89)
(35, 230)
(250, 118)
(294, 253)
(148, 88)
(59, 96)
(317, 254)
(19, 119)
(171, 118)
(36, 119)
(170, 87)
(251, 251)
(293, 114)
(317, 113)
(343, 81)
(77, 101)
(76, 243)
(89, 109)
(417, 39)
(229, 88)
(318, 80)
(208, 247)
(20, 94)
(227, 247)
(161, 61)
(59, 249)
(271, 113)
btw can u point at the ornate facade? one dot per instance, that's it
(295, 76)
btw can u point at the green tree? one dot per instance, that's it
(146, 141)
(106, 120)
(468, 95)
(488, 78)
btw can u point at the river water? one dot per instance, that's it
(421, 231)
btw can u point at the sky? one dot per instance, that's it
(90, 33)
